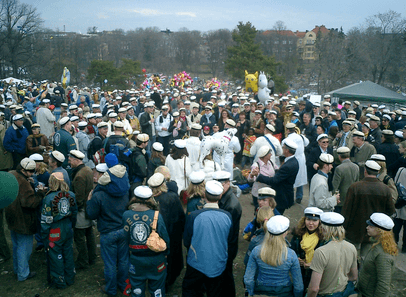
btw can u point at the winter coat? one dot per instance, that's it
(6, 159)
(110, 199)
(302, 142)
(21, 215)
(82, 184)
(14, 140)
(180, 170)
(46, 120)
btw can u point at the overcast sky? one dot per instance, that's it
(78, 15)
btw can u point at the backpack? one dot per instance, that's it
(96, 155)
(401, 201)
(122, 152)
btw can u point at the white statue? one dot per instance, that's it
(263, 91)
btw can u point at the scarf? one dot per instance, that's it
(308, 244)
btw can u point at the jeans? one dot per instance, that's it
(194, 281)
(57, 113)
(299, 193)
(245, 160)
(22, 249)
(150, 143)
(165, 143)
(114, 251)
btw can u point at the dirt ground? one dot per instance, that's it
(89, 281)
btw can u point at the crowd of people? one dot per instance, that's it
(130, 162)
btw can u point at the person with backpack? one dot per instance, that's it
(118, 145)
(139, 161)
(97, 144)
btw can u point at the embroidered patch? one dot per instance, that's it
(55, 234)
(158, 293)
(59, 257)
(137, 291)
(63, 206)
(139, 232)
(57, 139)
(161, 267)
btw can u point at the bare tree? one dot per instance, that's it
(216, 43)
(18, 23)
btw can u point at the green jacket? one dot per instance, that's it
(64, 143)
(375, 276)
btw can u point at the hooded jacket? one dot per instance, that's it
(110, 199)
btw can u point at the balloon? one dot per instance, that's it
(144, 70)
(8, 189)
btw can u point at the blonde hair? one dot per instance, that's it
(263, 215)
(382, 164)
(387, 242)
(196, 190)
(159, 155)
(158, 190)
(55, 184)
(42, 167)
(274, 250)
(333, 233)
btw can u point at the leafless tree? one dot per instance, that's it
(215, 48)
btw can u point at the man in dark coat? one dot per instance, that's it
(308, 130)
(230, 203)
(375, 132)
(283, 180)
(22, 219)
(363, 199)
(389, 149)
(311, 159)
(156, 98)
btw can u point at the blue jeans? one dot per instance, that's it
(22, 249)
(57, 113)
(114, 251)
(299, 193)
(165, 143)
(150, 143)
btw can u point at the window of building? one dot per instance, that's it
(284, 42)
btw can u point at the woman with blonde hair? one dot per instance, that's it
(376, 273)
(194, 196)
(174, 217)
(263, 215)
(273, 264)
(58, 217)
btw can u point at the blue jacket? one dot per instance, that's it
(204, 121)
(14, 139)
(109, 200)
(207, 236)
(270, 276)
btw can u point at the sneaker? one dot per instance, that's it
(31, 275)
(298, 201)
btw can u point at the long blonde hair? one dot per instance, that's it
(263, 215)
(333, 233)
(387, 242)
(196, 190)
(274, 250)
(42, 167)
(55, 184)
(159, 190)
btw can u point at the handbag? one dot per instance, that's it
(401, 201)
(154, 242)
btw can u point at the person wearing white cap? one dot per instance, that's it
(179, 164)
(301, 142)
(58, 212)
(193, 145)
(307, 237)
(15, 138)
(283, 180)
(46, 119)
(334, 265)
(319, 147)
(162, 126)
(194, 117)
(157, 158)
(262, 166)
(37, 142)
(122, 113)
(107, 204)
(229, 202)
(147, 122)
(83, 143)
(193, 196)
(361, 151)
(207, 238)
(267, 140)
(82, 185)
(376, 272)
(149, 265)
(344, 176)
(375, 134)
(274, 262)
(383, 175)
(344, 137)
(21, 218)
(63, 140)
(174, 216)
(365, 197)
(319, 195)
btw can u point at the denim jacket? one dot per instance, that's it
(270, 276)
